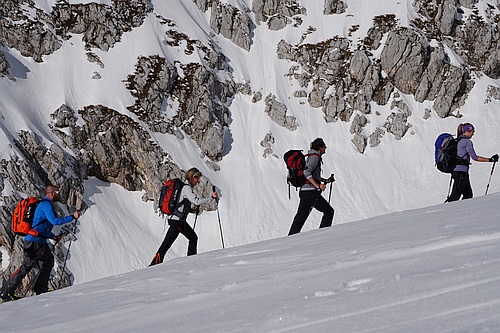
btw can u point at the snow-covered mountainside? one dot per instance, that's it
(432, 269)
(107, 99)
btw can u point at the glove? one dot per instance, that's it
(57, 238)
(195, 210)
(494, 158)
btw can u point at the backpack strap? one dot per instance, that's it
(462, 160)
(32, 231)
(320, 160)
(176, 212)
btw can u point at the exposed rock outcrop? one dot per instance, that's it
(201, 113)
(475, 37)
(493, 93)
(375, 137)
(32, 37)
(359, 140)
(101, 26)
(4, 67)
(232, 24)
(416, 68)
(267, 143)
(277, 13)
(202, 4)
(397, 121)
(277, 111)
(344, 81)
(334, 7)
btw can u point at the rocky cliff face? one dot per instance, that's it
(342, 77)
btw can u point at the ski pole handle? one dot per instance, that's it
(331, 179)
(215, 190)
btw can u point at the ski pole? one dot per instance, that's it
(195, 218)
(449, 188)
(69, 246)
(491, 174)
(218, 216)
(332, 179)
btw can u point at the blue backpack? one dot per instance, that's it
(446, 152)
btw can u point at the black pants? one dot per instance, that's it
(173, 231)
(308, 201)
(33, 253)
(461, 186)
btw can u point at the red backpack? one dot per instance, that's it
(295, 162)
(23, 216)
(169, 196)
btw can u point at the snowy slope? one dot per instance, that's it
(427, 270)
(119, 233)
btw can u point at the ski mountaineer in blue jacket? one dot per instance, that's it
(35, 246)
(465, 152)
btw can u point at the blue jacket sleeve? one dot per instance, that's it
(46, 212)
(43, 221)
